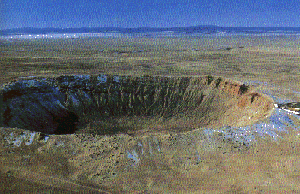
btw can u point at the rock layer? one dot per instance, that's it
(55, 105)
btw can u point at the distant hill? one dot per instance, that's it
(207, 29)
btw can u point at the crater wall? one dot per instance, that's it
(58, 105)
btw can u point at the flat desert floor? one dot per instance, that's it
(270, 63)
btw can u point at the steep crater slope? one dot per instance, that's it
(109, 104)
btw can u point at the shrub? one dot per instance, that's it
(243, 89)
(209, 79)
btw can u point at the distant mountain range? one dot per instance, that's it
(206, 29)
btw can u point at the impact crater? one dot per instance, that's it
(137, 105)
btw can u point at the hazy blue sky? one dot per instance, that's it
(148, 13)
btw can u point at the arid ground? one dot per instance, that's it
(180, 163)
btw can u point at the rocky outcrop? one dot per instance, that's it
(55, 105)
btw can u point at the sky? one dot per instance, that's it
(148, 13)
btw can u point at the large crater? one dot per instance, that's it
(108, 104)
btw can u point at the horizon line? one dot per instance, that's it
(18, 28)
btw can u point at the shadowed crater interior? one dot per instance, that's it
(109, 104)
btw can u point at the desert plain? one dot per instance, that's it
(186, 162)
